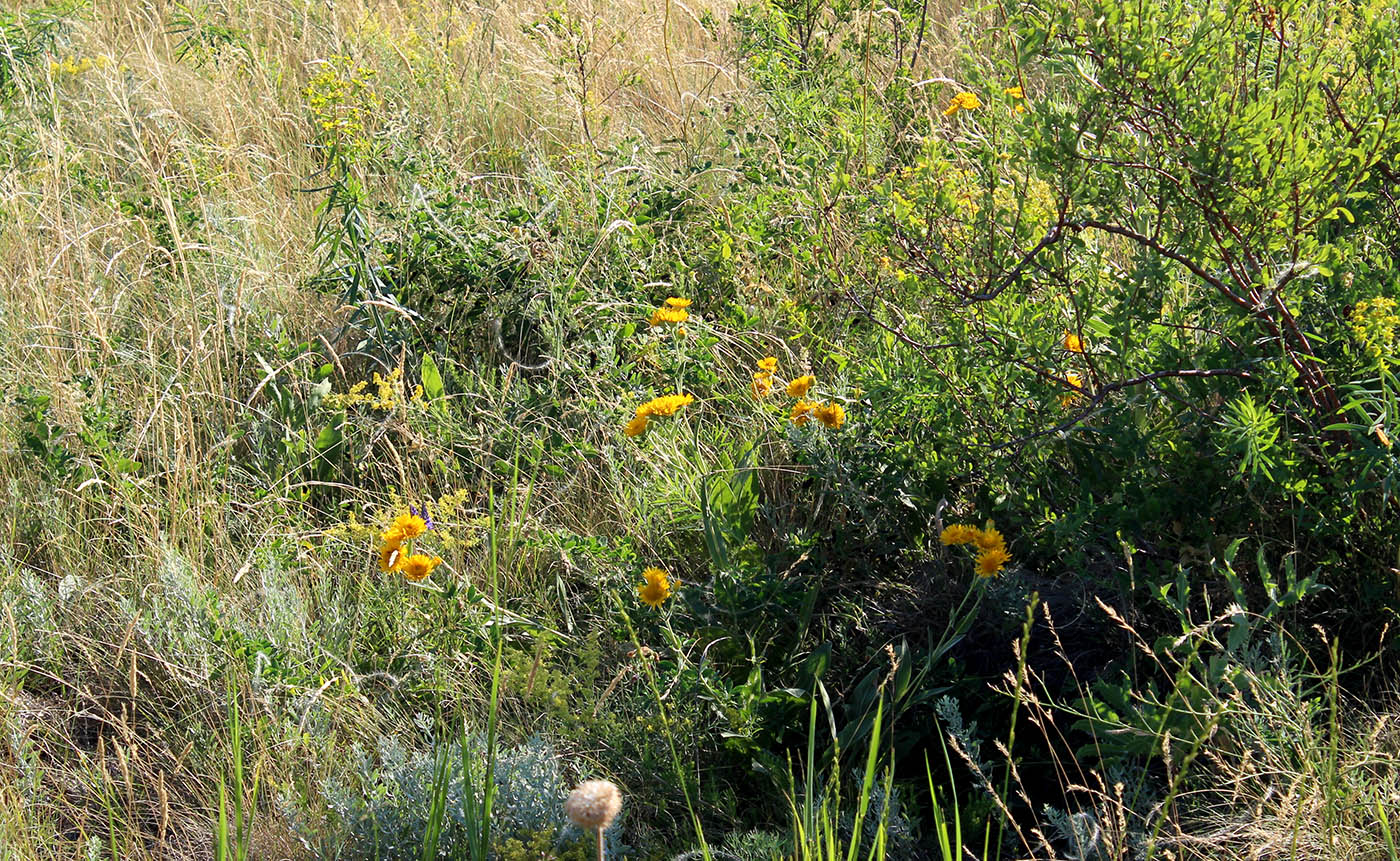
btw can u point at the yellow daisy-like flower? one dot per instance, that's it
(666, 405)
(1015, 92)
(802, 412)
(768, 365)
(832, 414)
(637, 426)
(962, 102)
(959, 533)
(762, 384)
(390, 556)
(677, 302)
(408, 526)
(416, 566)
(990, 562)
(799, 387)
(657, 588)
(1073, 342)
(668, 315)
(989, 539)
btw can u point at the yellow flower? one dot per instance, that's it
(416, 566)
(657, 588)
(798, 387)
(802, 412)
(1015, 92)
(990, 562)
(989, 539)
(668, 315)
(1020, 109)
(762, 384)
(831, 414)
(768, 365)
(677, 302)
(637, 426)
(407, 526)
(1078, 383)
(962, 102)
(1073, 342)
(390, 556)
(666, 405)
(959, 533)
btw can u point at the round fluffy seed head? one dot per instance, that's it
(593, 804)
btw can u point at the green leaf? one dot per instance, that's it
(431, 379)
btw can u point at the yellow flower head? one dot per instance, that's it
(407, 526)
(962, 102)
(666, 405)
(637, 426)
(832, 414)
(1073, 342)
(990, 562)
(416, 566)
(959, 533)
(802, 412)
(989, 539)
(768, 365)
(677, 302)
(762, 384)
(798, 388)
(390, 556)
(1015, 92)
(668, 314)
(657, 588)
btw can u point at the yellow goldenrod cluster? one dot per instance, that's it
(77, 65)
(342, 103)
(671, 313)
(666, 405)
(992, 555)
(1376, 324)
(388, 394)
(962, 102)
(658, 586)
(395, 556)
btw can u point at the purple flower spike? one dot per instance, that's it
(427, 518)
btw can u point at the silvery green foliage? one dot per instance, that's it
(966, 736)
(383, 809)
(755, 846)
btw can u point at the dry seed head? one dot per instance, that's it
(593, 804)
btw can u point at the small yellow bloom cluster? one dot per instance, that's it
(763, 377)
(394, 556)
(666, 405)
(1376, 324)
(388, 394)
(962, 102)
(1019, 95)
(342, 103)
(831, 414)
(672, 313)
(658, 587)
(441, 513)
(72, 66)
(1073, 342)
(992, 555)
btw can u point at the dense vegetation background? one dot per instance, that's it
(857, 430)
